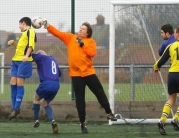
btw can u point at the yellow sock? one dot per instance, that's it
(177, 114)
(166, 112)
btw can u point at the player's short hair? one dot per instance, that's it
(167, 28)
(89, 29)
(41, 52)
(177, 29)
(26, 20)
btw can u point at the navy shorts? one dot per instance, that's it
(173, 82)
(47, 90)
(21, 69)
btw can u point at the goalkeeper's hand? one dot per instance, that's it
(80, 41)
(45, 23)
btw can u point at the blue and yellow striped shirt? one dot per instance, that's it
(171, 52)
(27, 39)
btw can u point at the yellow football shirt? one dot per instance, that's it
(171, 52)
(27, 39)
(174, 57)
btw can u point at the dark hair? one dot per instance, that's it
(27, 20)
(167, 28)
(89, 29)
(177, 29)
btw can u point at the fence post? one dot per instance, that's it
(73, 31)
(132, 84)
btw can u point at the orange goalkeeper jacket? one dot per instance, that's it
(79, 58)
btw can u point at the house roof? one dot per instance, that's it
(140, 54)
(137, 55)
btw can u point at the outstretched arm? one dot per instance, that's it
(63, 36)
(12, 42)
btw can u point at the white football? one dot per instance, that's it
(37, 22)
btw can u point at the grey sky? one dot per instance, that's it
(56, 11)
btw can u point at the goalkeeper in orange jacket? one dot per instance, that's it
(81, 49)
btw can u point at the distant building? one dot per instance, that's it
(101, 32)
(3, 39)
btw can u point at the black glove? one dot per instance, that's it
(79, 40)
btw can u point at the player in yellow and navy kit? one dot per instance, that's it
(171, 52)
(21, 66)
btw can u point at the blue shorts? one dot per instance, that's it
(47, 90)
(21, 69)
(173, 82)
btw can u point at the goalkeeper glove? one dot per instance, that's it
(79, 40)
(45, 23)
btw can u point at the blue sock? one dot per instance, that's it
(13, 95)
(36, 108)
(49, 112)
(19, 97)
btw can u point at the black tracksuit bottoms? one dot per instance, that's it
(93, 83)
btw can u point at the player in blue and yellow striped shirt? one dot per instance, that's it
(21, 66)
(171, 52)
